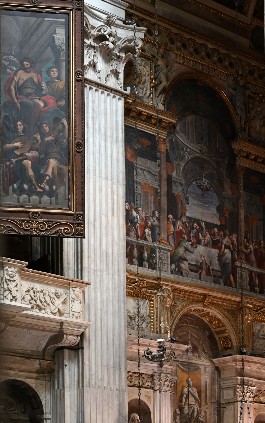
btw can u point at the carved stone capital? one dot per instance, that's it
(163, 383)
(245, 393)
(109, 44)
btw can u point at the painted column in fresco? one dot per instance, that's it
(101, 255)
(241, 219)
(162, 148)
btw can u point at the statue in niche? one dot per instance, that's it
(165, 63)
(166, 298)
(239, 98)
(189, 407)
(162, 77)
(257, 127)
(143, 78)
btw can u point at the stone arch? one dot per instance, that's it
(145, 412)
(218, 324)
(19, 403)
(221, 95)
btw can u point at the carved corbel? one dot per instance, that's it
(60, 339)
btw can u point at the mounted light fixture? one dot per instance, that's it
(161, 354)
(203, 185)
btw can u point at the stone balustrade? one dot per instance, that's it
(39, 311)
(40, 292)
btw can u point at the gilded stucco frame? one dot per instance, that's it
(33, 216)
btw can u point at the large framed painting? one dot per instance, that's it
(41, 118)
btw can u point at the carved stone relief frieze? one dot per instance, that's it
(146, 381)
(76, 296)
(46, 300)
(10, 284)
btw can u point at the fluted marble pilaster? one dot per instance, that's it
(100, 257)
(104, 258)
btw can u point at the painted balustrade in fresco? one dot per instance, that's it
(194, 250)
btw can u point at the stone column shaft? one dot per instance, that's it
(68, 380)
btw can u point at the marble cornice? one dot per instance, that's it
(200, 41)
(236, 361)
(37, 276)
(147, 117)
(249, 155)
(104, 87)
(242, 19)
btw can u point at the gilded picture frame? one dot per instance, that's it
(42, 118)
